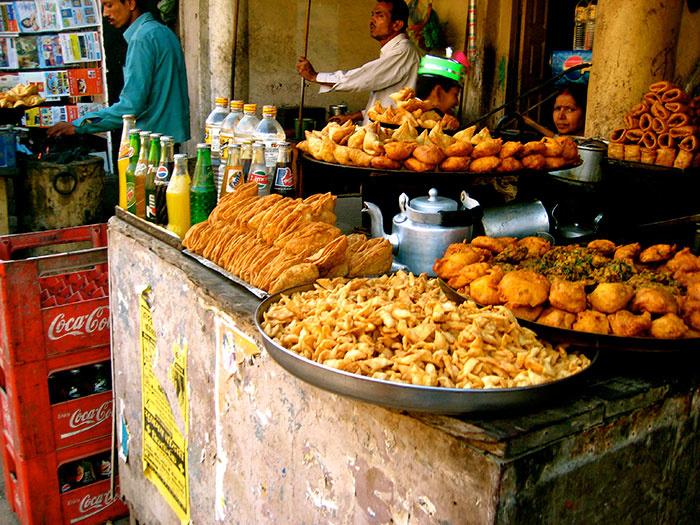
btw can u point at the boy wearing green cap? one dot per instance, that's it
(439, 82)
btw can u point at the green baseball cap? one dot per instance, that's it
(442, 67)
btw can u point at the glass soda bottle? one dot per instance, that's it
(125, 152)
(246, 156)
(203, 189)
(590, 25)
(153, 158)
(580, 15)
(233, 173)
(102, 380)
(258, 170)
(135, 146)
(163, 172)
(140, 175)
(75, 384)
(212, 125)
(245, 129)
(178, 197)
(284, 181)
(270, 133)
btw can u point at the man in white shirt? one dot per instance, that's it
(395, 68)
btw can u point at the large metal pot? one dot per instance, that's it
(589, 171)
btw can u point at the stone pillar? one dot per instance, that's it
(635, 45)
(221, 35)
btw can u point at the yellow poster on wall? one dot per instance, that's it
(164, 444)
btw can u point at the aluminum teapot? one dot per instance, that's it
(425, 227)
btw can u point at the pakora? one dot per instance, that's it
(567, 295)
(592, 321)
(669, 326)
(625, 323)
(655, 300)
(524, 288)
(610, 297)
(557, 318)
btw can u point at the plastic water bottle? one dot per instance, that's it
(270, 133)
(590, 25)
(245, 129)
(580, 17)
(226, 137)
(212, 125)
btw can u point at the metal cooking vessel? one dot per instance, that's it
(591, 152)
(516, 220)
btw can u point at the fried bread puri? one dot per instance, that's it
(493, 244)
(536, 246)
(456, 258)
(557, 318)
(592, 321)
(628, 252)
(602, 246)
(684, 261)
(484, 290)
(625, 323)
(610, 297)
(655, 300)
(529, 313)
(567, 295)
(467, 274)
(668, 326)
(524, 288)
(657, 253)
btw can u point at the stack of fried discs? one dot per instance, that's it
(663, 129)
(404, 148)
(275, 242)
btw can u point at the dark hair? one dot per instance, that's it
(579, 92)
(399, 11)
(426, 83)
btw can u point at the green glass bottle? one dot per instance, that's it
(153, 159)
(134, 146)
(203, 189)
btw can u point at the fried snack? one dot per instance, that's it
(624, 323)
(660, 87)
(484, 164)
(429, 119)
(633, 122)
(414, 164)
(466, 134)
(429, 154)
(673, 94)
(481, 254)
(456, 257)
(459, 148)
(403, 94)
(373, 257)
(678, 120)
(592, 321)
(449, 122)
(509, 165)
(567, 295)
(510, 148)
(657, 253)
(691, 313)
(659, 126)
(683, 160)
(533, 162)
(467, 274)
(664, 140)
(618, 136)
(633, 136)
(651, 99)
(342, 155)
(455, 164)
(402, 328)
(359, 158)
(644, 122)
(524, 288)
(659, 111)
(423, 138)
(484, 290)
(603, 246)
(406, 132)
(569, 149)
(533, 148)
(669, 326)
(648, 141)
(487, 148)
(552, 148)
(399, 150)
(341, 134)
(648, 155)
(557, 318)
(676, 107)
(633, 153)
(331, 255)
(371, 143)
(684, 261)
(357, 139)
(689, 144)
(655, 300)
(616, 151)
(439, 138)
(628, 252)
(610, 297)
(639, 109)
(493, 244)
(554, 163)
(297, 275)
(665, 157)
(484, 134)
(536, 246)
(682, 131)
(385, 163)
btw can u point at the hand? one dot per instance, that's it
(306, 70)
(61, 129)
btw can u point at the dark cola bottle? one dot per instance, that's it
(101, 377)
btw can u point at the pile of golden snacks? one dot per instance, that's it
(21, 95)
(404, 148)
(275, 242)
(403, 328)
(663, 129)
(411, 110)
(601, 288)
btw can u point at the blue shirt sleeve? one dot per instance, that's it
(138, 76)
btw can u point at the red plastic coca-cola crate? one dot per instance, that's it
(53, 304)
(37, 419)
(66, 487)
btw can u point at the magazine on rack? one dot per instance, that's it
(80, 47)
(27, 52)
(50, 51)
(8, 18)
(27, 16)
(8, 81)
(85, 82)
(49, 15)
(52, 84)
(8, 53)
(78, 13)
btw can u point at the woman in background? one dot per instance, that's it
(569, 114)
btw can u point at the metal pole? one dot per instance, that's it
(303, 82)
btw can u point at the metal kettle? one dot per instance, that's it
(425, 227)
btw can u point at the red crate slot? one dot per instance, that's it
(83, 472)
(53, 304)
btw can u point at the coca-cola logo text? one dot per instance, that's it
(91, 417)
(94, 503)
(95, 321)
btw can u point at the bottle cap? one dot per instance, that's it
(269, 110)
(155, 135)
(250, 108)
(143, 134)
(165, 138)
(221, 101)
(180, 157)
(237, 104)
(134, 132)
(128, 117)
(203, 145)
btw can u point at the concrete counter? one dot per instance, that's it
(264, 447)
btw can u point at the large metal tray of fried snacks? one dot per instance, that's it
(606, 342)
(412, 397)
(262, 294)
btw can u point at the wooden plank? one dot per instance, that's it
(4, 213)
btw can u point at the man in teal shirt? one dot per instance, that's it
(155, 79)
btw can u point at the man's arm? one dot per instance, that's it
(306, 70)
